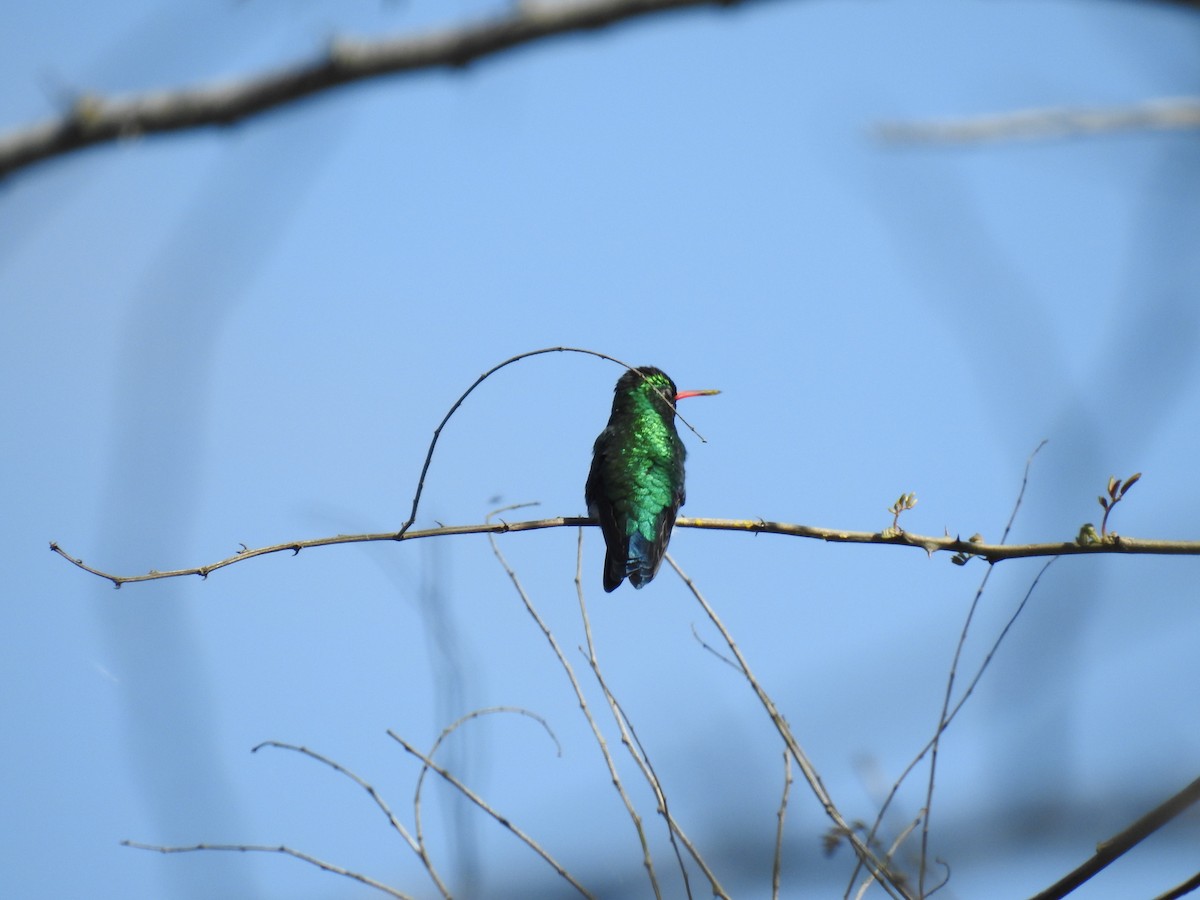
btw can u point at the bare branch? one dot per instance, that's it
(1164, 114)
(990, 552)
(286, 851)
(95, 120)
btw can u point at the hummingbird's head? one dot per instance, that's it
(654, 384)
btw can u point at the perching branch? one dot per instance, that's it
(95, 120)
(930, 544)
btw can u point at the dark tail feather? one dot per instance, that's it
(614, 572)
(644, 559)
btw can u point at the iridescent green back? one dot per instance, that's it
(635, 487)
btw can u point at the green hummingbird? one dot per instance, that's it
(635, 486)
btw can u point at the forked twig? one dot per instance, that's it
(915, 761)
(487, 808)
(416, 844)
(962, 640)
(450, 729)
(865, 854)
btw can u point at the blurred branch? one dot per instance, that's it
(1164, 114)
(94, 119)
(930, 544)
(1119, 844)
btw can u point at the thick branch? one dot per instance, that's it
(990, 552)
(96, 120)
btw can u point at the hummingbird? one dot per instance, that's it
(635, 486)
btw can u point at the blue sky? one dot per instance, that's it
(248, 336)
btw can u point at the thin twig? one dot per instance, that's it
(777, 867)
(94, 119)
(714, 651)
(962, 640)
(806, 767)
(487, 808)
(415, 844)
(990, 552)
(286, 851)
(641, 758)
(1121, 843)
(915, 761)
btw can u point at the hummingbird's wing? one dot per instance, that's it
(597, 492)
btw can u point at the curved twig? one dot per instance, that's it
(437, 432)
(450, 729)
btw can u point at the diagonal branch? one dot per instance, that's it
(96, 120)
(1120, 844)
